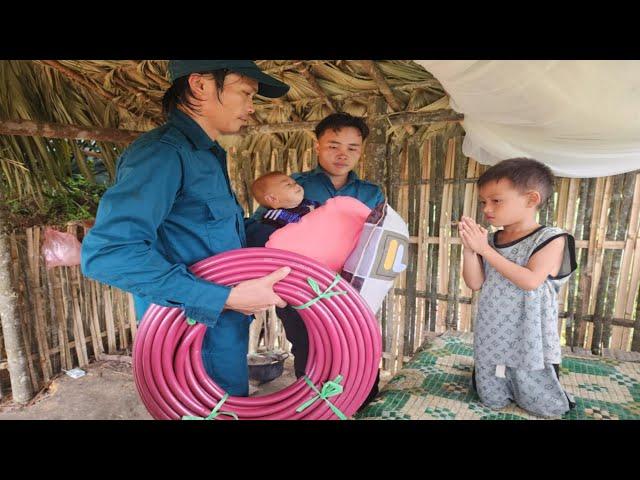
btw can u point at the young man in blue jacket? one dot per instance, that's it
(340, 137)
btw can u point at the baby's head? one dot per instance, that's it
(514, 189)
(277, 190)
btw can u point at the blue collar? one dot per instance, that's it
(351, 178)
(196, 135)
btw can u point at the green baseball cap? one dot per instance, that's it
(267, 86)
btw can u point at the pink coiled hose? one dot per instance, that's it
(344, 339)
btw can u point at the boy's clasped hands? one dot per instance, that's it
(473, 236)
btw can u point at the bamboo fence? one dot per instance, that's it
(68, 320)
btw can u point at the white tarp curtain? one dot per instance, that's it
(581, 118)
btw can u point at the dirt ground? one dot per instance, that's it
(106, 392)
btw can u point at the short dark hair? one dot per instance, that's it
(524, 173)
(338, 121)
(259, 185)
(179, 93)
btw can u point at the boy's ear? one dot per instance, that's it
(270, 198)
(534, 198)
(317, 147)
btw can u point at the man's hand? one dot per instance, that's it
(473, 236)
(257, 295)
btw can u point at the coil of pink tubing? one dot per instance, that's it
(344, 339)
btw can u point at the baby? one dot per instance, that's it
(285, 201)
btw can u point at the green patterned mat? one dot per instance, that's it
(436, 384)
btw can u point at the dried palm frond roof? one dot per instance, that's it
(126, 95)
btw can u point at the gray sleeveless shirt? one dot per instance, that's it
(515, 327)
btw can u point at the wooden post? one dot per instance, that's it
(11, 330)
(375, 151)
(19, 282)
(54, 130)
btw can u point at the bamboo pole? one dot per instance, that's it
(560, 219)
(438, 152)
(59, 274)
(402, 305)
(109, 320)
(635, 341)
(109, 323)
(33, 248)
(630, 266)
(117, 308)
(445, 233)
(455, 259)
(571, 225)
(254, 331)
(583, 230)
(476, 214)
(58, 317)
(413, 161)
(469, 200)
(390, 319)
(613, 197)
(78, 327)
(619, 233)
(594, 205)
(131, 310)
(398, 312)
(89, 301)
(423, 246)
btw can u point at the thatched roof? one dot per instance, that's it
(126, 95)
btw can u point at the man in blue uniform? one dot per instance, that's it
(339, 146)
(172, 205)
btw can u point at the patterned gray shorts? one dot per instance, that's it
(536, 391)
